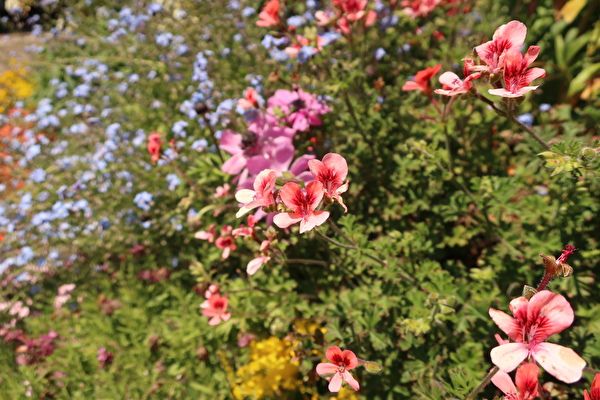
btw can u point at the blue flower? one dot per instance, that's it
(173, 181)
(38, 175)
(526, 119)
(143, 200)
(380, 53)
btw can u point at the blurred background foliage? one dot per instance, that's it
(459, 207)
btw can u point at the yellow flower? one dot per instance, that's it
(272, 370)
(13, 86)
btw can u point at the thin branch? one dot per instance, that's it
(213, 138)
(486, 381)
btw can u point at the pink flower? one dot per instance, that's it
(265, 146)
(303, 204)
(226, 242)
(507, 37)
(269, 16)
(251, 99)
(419, 8)
(517, 75)
(341, 363)
(594, 393)
(526, 383)
(255, 264)
(222, 191)
(299, 109)
(422, 80)
(208, 235)
(215, 308)
(154, 146)
(453, 85)
(104, 357)
(261, 196)
(535, 321)
(331, 172)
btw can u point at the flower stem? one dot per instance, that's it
(514, 120)
(486, 381)
(213, 138)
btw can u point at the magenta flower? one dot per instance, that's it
(507, 37)
(261, 196)
(332, 173)
(526, 383)
(341, 363)
(297, 108)
(215, 308)
(303, 204)
(453, 85)
(104, 357)
(517, 75)
(535, 321)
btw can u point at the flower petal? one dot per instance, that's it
(559, 361)
(289, 195)
(508, 356)
(504, 382)
(245, 196)
(332, 352)
(350, 380)
(335, 384)
(337, 163)
(326, 368)
(284, 220)
(527, 380)
(315, 219)
(551, 311)
(508, 324)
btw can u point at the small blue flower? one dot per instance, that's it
(526, 119)
(173, 181)
(143, 200)
(545, 107)
(380, 53)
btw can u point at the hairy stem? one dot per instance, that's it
(486, 381)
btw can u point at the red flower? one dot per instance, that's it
(341, 363)
(526, 383)
(154, 146)
(422, 80)
(594, 393)
(269, 16)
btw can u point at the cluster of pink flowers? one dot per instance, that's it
(32, 351)
(300, 205)
(269, 141)
(215, 306)
(501, 62)
(64, 295)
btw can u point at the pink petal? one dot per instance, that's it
(315, 191)
(337, 163)
(231, 142)
(332, 352)
(265, 181)
(504, 382)
(315, 219)
(244, 196)
(508, 356)
(226, 316)
(532, 53)
(351, 357)
(504, 93)
(335, 384)
(351, 381)
(514, 31)
(289, 194)
(284, 220)
(507, 323)
(326, 369)
(255, 264)
(214, 320)
(411, 85)
(301, 164)
(234, 165)
(316, 167)
(484, 51)
(450, 79)
(552, 313)
(560, 362)
(518, 308)
(534, 73)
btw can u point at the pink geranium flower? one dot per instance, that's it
(215, 308)
(331, 172)
(250, 100)
(303, 204)
(255, 264)
(422, 80)
(526, 383)
(226, 241)
(453, 85)
(507, 37)
(208, 235)
(352, 11)
(297, 108)
(517, 75)
(341, 363)
(261, 196)
(535, 321)
(594, 393)
(269, 16)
